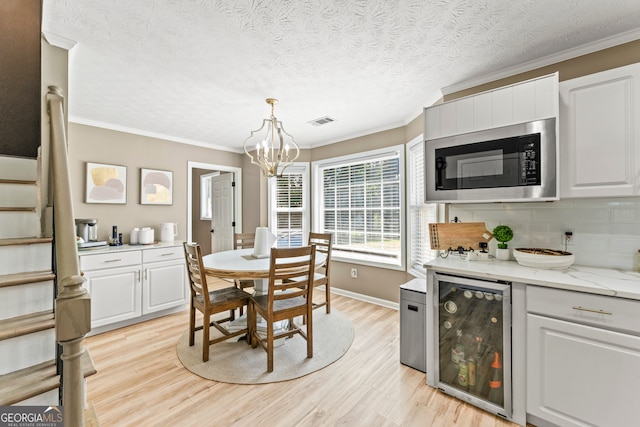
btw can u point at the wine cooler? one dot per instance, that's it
(469, 331)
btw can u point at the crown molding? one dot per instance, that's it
(134, 131)
(545, 61)
(59, 41)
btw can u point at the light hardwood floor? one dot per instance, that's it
(141, 382)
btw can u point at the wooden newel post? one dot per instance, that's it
(73, 303)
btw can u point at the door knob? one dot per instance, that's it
(212, 230)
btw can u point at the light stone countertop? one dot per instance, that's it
(595, 280)
(126, 247)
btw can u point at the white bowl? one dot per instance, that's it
(544, 258)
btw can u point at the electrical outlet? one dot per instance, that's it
(567, 238)
(354, 273)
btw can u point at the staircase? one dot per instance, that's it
(29, 371)
(27, 334)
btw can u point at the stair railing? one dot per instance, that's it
(73, 303)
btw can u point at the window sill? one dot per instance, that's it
(367, 262)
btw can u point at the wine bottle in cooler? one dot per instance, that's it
(496, 372)
(457, 351)
(496, 391)
(471, 371)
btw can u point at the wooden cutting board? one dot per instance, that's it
(451, 235)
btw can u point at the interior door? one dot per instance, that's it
(222, 200)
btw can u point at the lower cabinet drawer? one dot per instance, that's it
(110, 260)
(163, 254)
(589, 309)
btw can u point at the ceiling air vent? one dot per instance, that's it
(322, 121)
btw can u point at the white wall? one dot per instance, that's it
(606, 232)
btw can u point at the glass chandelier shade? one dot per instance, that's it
(272, 153)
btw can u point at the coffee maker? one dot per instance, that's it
(87, 229)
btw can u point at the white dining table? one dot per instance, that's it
(241, 264)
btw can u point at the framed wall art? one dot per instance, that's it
(106, 183)
(156, 187)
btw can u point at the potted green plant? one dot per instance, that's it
(503, 234)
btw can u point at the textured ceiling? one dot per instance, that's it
(200, 70)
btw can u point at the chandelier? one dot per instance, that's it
(272, 152)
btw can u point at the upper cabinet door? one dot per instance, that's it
(600, 134)
(523, 102)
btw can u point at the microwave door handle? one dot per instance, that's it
(441, 165)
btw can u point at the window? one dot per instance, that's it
(420, 214)
(206, 201)
(288, 206)
(360, 199)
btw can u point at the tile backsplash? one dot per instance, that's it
(606, 232)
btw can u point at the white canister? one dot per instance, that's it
(146, 236)
(134, 237)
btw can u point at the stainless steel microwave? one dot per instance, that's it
(516, 163)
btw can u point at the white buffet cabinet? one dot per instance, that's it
(129, 284)
(582, 347)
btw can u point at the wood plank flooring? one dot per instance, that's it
(141, 382)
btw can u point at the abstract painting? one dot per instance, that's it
(156, 187)
(106, 183)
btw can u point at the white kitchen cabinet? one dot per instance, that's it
(131, 285)
(164, 279)
(115, 284)
(518, 103)
(583, 353)
(600, 134)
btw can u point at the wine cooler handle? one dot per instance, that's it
(412, 307)
(591, 310)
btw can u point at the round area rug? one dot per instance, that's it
(238, 363)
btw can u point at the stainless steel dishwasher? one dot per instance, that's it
(413, 302)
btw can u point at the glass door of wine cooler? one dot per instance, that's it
(474, 341)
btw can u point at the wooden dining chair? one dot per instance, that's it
(285, 300)
(323, 242)
(210, 302)
(243, 241)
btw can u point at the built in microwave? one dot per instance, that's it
(513, 163)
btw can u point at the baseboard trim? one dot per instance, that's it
(366, 298)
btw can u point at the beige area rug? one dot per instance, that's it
(238, 363)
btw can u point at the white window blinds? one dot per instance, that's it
(362, 205)
(288, 206)
(420, 214)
